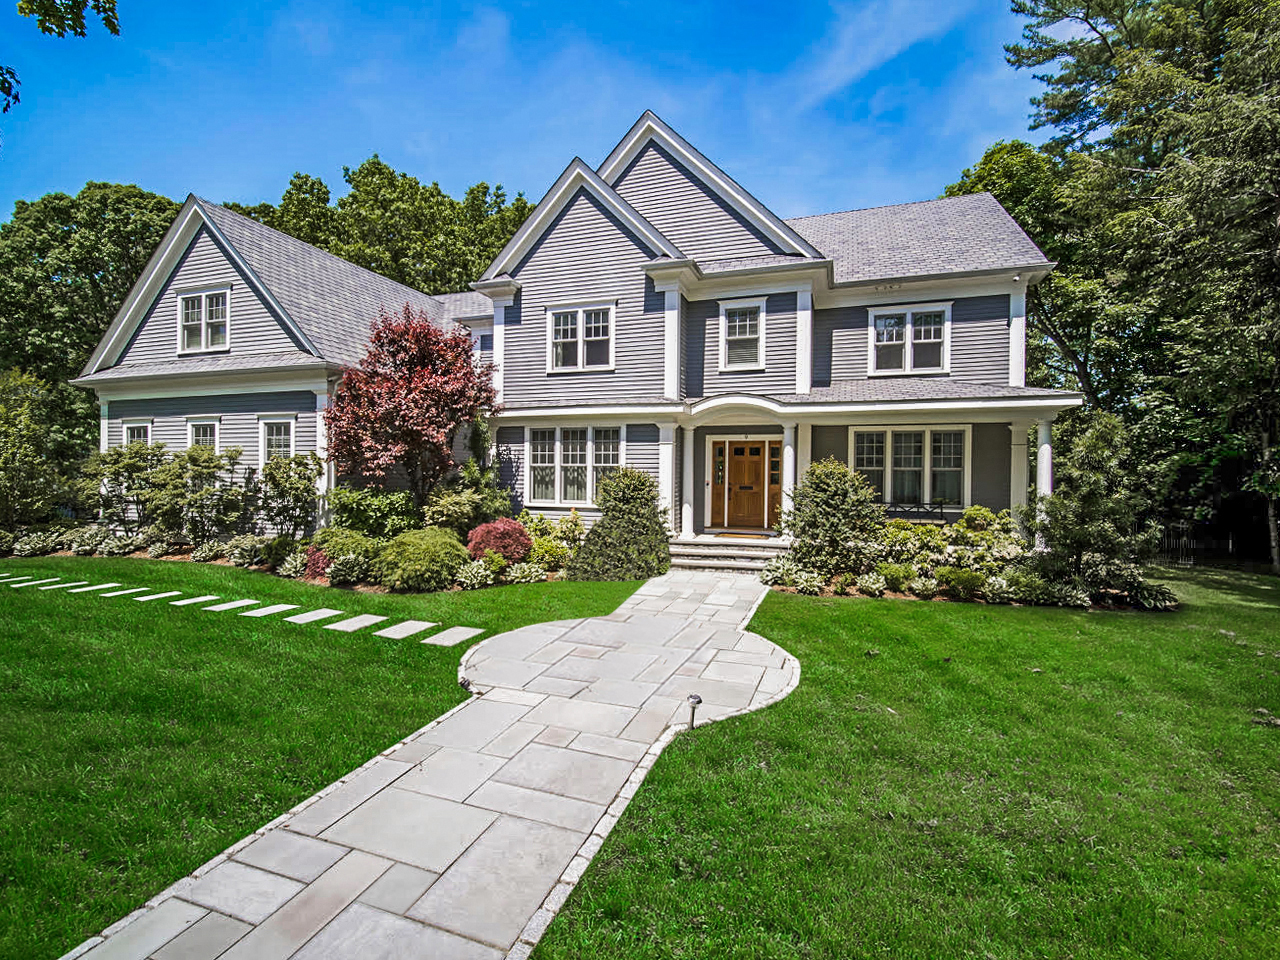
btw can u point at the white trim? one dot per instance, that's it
(926, 482)
(559, 503)
(104, 424)
(132, 422)
(788, 470)
(328, 478)
(758, 304)
(708, 472)
(1044, 457)
(1019, 460)
(203, 293)
(581, 326)
(1018, 335)
(215, 422)
(265, 418)
(908, 344)
(666, 467)
(686, 483)
(873, 293)
(804, 447)
(500, 305)
(804, 340)
(231, 384)
(671, 344)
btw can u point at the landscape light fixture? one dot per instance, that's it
(694, 700)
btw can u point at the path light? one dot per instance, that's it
(465, 684)
(694, 700)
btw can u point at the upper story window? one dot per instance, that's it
(204, 321)
(910, 339)
(742, 335)
(580, 338)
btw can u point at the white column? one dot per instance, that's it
(804, 448)
(686, 485)
(103, 421)
(804, 341)
(327, 479)
(666, 466)
(1018, 460)
(788, 463)
(1044, 458)
(671, 346)
(1018, 335)
(500, 305)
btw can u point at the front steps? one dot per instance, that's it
(725, 554)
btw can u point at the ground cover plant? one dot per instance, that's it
(958, 780)
(139, 740)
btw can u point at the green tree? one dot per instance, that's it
(28, 475)
(56, 18)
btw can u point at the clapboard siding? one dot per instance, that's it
(686, 211)
(252, 327)
(587, 254)
(238, 419)
(829, 441)
(989, 479)
(702, 350)
(979, 342)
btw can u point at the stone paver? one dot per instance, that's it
(352, 624)
(149, 932)
(158, 596)
(188, 601)
(33, 583)
(269, 610)
(230, 605)
(97, 586)
(125, 593)
(464, 840)
(63, 586)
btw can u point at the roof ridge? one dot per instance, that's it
(890, 206)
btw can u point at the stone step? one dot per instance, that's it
(709, 549)
(717, 563)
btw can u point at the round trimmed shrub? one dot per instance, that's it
(421, 560)
(504, 536)
(348, 569)
(629, 541)
(339, 541)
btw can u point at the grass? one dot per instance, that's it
(139, 740)
(996, 782)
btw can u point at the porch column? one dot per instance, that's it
(686, 485)
(804, 448)
(104, 420)
(788, 463)
(667, 469)
(1018, 460)
(327, 479)
(1044, 457)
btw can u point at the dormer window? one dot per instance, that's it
(742, 335)
(203, 321)
(910, 339)
(580, 338)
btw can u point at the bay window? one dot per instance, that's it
(909, 339)
(913, 465)
(566, 464)
(580, 338)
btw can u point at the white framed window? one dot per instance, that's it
(275, 438)
(915, 464)
(204, 320)
(137, 431)
(914, 339)
(565, 464)
(742, 341)
(580, 338)
(203, 433)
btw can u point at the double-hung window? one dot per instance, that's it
(203, 321)
(276, 438)
(566, 464)
(868, 458)
(742, 335)
(202, 433)
(913, 465)
(580, 338)
(910, 339)
(137, 432)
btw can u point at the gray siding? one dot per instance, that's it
(829, 441)
(642, 447)
(238, 419)
(586, 255)
(253, 329)
(686, 211)
(510, 444)
(702, 350)
(989, 479)
(979, 342)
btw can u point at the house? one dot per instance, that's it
(650, 312)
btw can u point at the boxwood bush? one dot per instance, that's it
(421, 560)
(629, 541)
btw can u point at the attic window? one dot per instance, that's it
(204, 321)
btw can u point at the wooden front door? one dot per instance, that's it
(746, 484)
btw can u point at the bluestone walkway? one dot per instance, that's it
(463, 840)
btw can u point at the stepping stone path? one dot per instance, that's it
(465, 839)
(355, 623)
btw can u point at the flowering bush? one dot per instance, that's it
(503, 536)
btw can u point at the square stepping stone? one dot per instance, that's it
(406, 629)
(97, 586)
(230, 605)
(296, 856)
(399, 888)
(412, 828)
(447, 638)
(313, 615)
(352, 624)
(63, 586)
(124, 593)
(159, 596)
(269, 610)
(190, 600)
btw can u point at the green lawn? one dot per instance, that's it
(139, 740)
(996, 783)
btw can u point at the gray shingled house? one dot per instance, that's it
(650, 312)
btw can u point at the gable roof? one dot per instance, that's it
(651, 128)
(965, 234)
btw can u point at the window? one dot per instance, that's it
(946, 482)
(908, 468)
(868, 459)
(203, 321)
(566, 463)
(742, 335)
(580, 338)
(202, 433)
(916, 464)
(910, 339)
(137, 433)
(276, 439)
(486, 343)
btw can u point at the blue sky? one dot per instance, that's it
(811, 106)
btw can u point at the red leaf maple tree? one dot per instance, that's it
(417, 386)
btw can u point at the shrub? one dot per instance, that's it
(348, 569)
(454, 510)
(28, 467)
(473, 496)
(844, 584)
(289, 496)
(537, 524)
(926, 588)
(549, 553)
(475, 574)
(872, 584)
(494, 561)
(375, 513)
(896, 576)
(338, 541)
(960, 583)
(158, 550)
(209, 551)
(504, 537)
(36, 544)
(629, 541)
(1151, 596)
(317, 562)
(293, 566)
(121, 546)
(88, 539)
(526, 573)
(277, 549)
(246, 549)
(570, 530)
(1064, 595)
(203, 493)
(155, 534)
(120, 483)
(833, 520)
(779, 571)
(808, 583)
(421, 560)
(6, 543)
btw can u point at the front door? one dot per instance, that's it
(746, 483)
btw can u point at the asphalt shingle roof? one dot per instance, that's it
(905, 389)
(951, 235)
(229, 363)
(468, 303)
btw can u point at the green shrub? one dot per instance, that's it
(277, 549)
(88, 539)
(121, 546)
(29, 487)
(549, 553)
(348, 569)
(475, 574)
(779, 571)
(158, 550)
(834, 520)
(382, 514)
(246, 549)
(629, 541)
(419, 560)
(896, 576)
(926, 588)
(6, 543)
(454, 510)
(289, 495)
(844, 584)
(472, 496)
(294, 565)
(872, 584)
(495, 561)
(209, 551)
(570, 530)
(36, 544)
(336, 541)
(960, 583)
(203, 493)
(808, 583)
(525, 573)
(537, 524)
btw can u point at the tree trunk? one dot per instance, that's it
(1273, 528)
